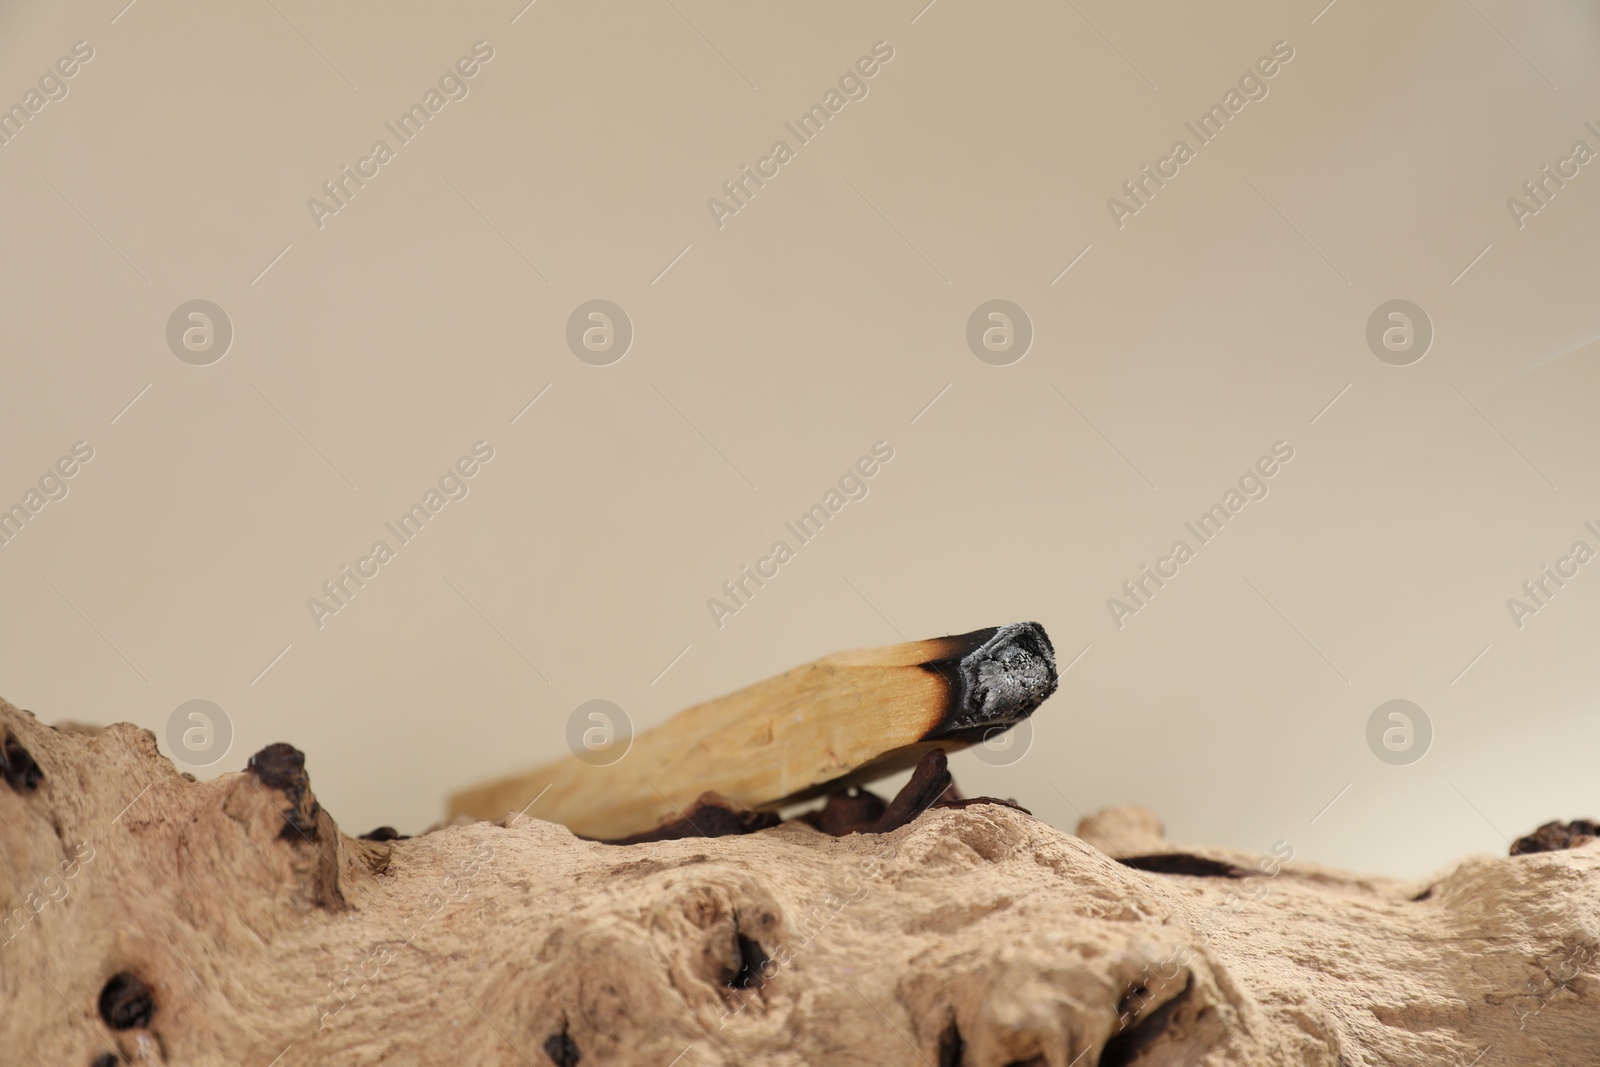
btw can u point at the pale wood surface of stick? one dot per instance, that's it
(846, 717)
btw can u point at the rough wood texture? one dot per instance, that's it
(169, 921)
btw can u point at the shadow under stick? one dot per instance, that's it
(841, 720)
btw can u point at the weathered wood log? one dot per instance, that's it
(153, 919)
(841, 720)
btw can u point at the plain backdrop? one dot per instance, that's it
(374, 346)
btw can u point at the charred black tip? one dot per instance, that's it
(998, 677)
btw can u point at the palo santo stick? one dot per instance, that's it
(841, 720)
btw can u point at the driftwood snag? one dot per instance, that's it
(153, 919)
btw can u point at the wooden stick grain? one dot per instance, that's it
(841, 720)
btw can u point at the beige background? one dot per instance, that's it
(825, 316)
